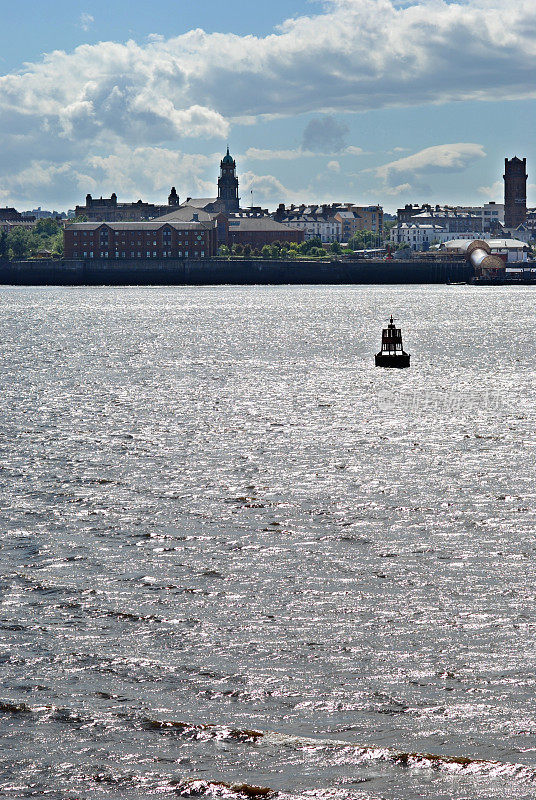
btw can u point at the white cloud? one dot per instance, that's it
(432, 160)
(359, 54)
(102, 100)
(334, 166)
(494, 191)
(86, 21)
(393, 191)
(352, 151)
(261, 188)
(258, 154)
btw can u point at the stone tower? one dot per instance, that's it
(228, 185)
(173, 198)
(515, 192)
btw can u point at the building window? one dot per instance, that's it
(154, 253)
(148, 254)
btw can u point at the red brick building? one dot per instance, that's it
(140, 240)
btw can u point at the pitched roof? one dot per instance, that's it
(185, 213)
(255, 224)
(153, 225)
(200, 202)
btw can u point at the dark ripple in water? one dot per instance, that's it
(225, 566)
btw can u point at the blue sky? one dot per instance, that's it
(370, 101)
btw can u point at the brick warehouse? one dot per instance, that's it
(143, 240)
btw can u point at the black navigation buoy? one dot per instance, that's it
(392, 353)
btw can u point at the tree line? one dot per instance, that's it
(311, 248)
(21, 243)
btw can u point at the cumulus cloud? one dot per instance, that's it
(354, 56)
(151, 170)
(432, 160)
(358, 55)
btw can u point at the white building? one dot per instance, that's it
(513, 249)
(422, 237)
(323, 226)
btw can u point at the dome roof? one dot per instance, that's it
(228, 159)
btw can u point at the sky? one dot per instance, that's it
(364, 101)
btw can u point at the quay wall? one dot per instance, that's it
(216, 271)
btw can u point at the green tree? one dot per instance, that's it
(361, 240)
(57, 244)
(3, 244)
(275, 250)
(266, 251)
(247, 250)
(47, 227)
(18, 242)
(335, 248)
(223, 250)
(238, 250)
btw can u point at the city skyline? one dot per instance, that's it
(362, 100)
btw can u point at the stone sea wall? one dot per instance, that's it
(214, 271)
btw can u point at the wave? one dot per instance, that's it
(196, 788)
(355, 753)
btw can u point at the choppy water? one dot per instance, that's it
(230, 553)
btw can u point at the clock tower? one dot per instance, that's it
(228, 185)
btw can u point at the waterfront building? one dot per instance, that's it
(369, 218)
(107, 209)
(140, 240)
(510, 250)
(452, 221)
(485, 218)
(422, 236)
(515, 191)
(257, 231)
(331, 222)
(192, 213)
(358, 218)
(314, 221)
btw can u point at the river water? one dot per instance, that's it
(235, 552)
